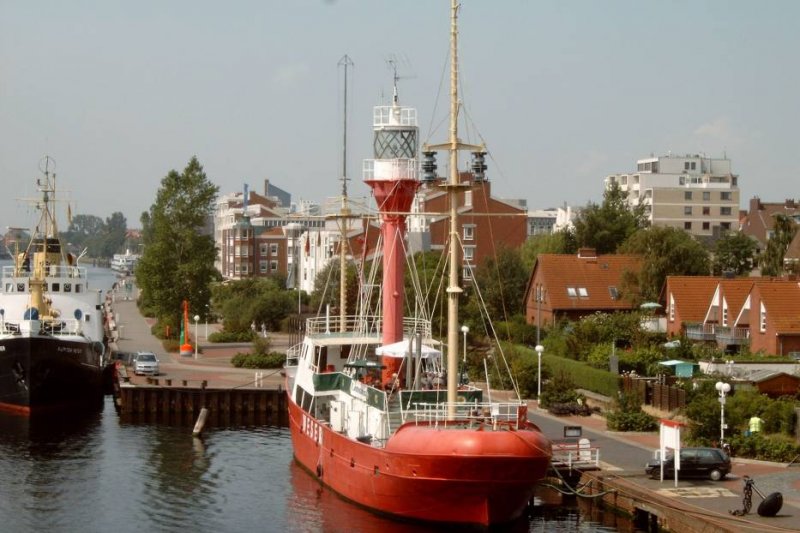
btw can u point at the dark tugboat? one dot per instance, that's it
(52, 350)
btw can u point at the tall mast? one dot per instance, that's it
(453, 290)
(345, 213)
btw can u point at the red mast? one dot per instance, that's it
(393, 178)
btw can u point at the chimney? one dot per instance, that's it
(755, 204)
(266, 187)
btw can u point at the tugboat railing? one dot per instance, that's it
(495, 413)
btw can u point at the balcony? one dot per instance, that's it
(701, 332)
(727, 336)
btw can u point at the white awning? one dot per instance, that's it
(400, 349)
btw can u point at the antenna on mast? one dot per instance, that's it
(344, 63)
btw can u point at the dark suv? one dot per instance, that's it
(712, 463)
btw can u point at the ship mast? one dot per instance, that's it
(454, 189)
(345, 210)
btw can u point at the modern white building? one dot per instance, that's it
(693, 192)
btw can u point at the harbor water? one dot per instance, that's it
(101, 473)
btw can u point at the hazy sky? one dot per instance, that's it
(562, 92)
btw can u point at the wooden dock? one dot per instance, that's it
(167, 397)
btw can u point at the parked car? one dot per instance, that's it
(712, 463)
(145, 363)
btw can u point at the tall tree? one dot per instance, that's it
(502, 281)
(116, 227)
(734, 252)
(178, 259)
(771, 261)
(558, 242)
(605, 227)
(666, 252)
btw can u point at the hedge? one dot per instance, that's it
(584, 376)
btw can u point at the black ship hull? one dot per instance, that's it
(44, 374)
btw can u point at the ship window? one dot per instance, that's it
(68, 287)
(20, 287)
(55, 287)
(87, 318)
(77, 287)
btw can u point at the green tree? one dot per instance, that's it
(771, 261)
(558, 242)
(734, 252)
(115, 229)
(666, 252)
(178, 259)
(326, 287)
(502, 281)
(606, 226)
(86, 231)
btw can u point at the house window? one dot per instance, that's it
(262, 267)
(273, 266)
(706, 226)
(687, 210)
(469, 232)
(613, 292)
(273, 249)
(687, 195)
(706, 196)
(685, 165)
(694, 165)
(467, 198)
(687, 225)
(571, 292)
(582, 292)
(763, 324)
(466, 272)
(706, 210)
(725, 195)
(726, 226)
(469, 253)
(725, 211)
(724, 313)
(262, 249)
(671, 308)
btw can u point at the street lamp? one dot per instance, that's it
(465, 330)
(723, 389)
(539, 349)
(196, 320)
(206, 336)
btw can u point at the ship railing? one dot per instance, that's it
(390, 169)
(51, 271)
(61, 326)
(579, 454)
(293, 354)
(362, 325)
(494, 414)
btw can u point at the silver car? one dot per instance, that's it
(145, 363)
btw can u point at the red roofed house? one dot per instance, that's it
(686, 301)
(772, 310)
(573, 286)
(721, 314)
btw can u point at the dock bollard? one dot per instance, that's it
(201, 422)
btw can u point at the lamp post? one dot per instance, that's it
(196, 320)
(206, 335)
(539, 349)
(723, 389)
(465, 330)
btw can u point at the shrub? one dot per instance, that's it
(628, 415)
(232, 336)
(170, 345)
(584, 376)
(258, 360)
(779, 448)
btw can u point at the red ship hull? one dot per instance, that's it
(466, 476)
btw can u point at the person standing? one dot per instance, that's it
(755, 424)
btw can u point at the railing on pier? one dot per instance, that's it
(579, 455)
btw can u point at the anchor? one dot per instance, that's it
(769, 506)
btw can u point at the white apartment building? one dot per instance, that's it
(693, 192)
